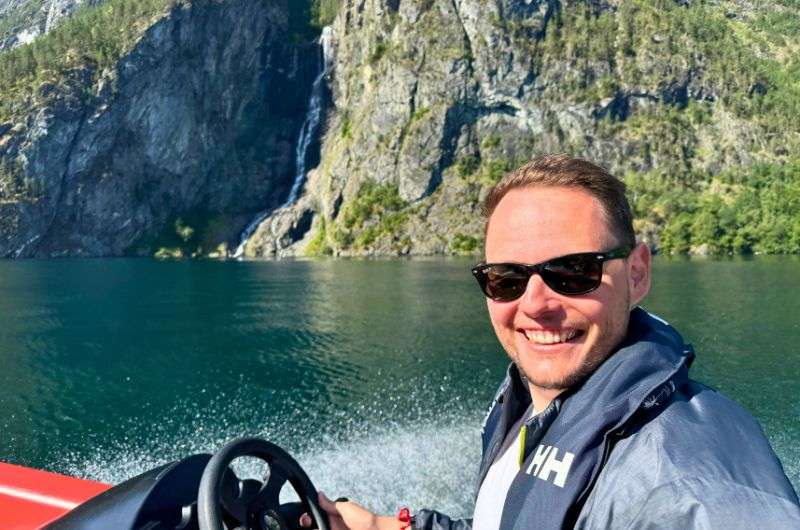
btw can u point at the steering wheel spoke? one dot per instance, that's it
(234, 504)
(237, 497)
(269, 496)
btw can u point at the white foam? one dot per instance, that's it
(428, 465)
(371, 456)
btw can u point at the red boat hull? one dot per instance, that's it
(30, 498)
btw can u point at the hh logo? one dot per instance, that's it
(545, 463)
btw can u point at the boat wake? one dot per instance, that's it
(415, 461)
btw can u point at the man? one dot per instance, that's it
(596, 424)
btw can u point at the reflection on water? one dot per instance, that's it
(375, 373)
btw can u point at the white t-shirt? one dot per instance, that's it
(494, 489)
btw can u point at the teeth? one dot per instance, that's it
(550, 337)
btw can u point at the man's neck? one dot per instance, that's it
(542, 397)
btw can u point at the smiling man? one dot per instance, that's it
(555, 338)
(597, 424)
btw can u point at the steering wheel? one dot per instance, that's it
(256, 506)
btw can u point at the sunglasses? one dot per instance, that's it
(570, 275)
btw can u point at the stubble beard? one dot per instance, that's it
(597, 355)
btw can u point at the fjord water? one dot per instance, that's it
(374, 374)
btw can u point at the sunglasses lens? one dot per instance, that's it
(571, 275)
(503, 283)
(576, 274)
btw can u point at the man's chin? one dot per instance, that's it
(549, 379)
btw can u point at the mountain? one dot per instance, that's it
(147, 125)
(179, 131)
(23, 20)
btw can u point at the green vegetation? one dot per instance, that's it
(377, 211)
(748, 66)
(750, 69)
(308, 17)
(195, 233)
(646, 41)
(14, 19)
(381, 47)
(485, 171)
(346, 128)
(419, 114)
(739, 211)
(323, 12)
(464, 244)
(491, 171)
(723, 143)
(183, 231)
(706, 94)
(93, 37)
(491, 141)
(467, 166)
(319, 246)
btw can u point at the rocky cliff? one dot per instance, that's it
(176, 146)
(23, 20)
(434, 100)
(195, 131)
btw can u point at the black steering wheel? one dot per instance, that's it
(253, 505)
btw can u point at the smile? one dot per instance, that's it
(551, 336)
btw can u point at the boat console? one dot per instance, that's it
(198, 492)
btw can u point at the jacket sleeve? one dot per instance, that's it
(433, 520)
(700, 504)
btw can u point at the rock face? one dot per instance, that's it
(178, 146)
(434, 100)
(25, 19)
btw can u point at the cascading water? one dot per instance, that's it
(307, 134)
(311, 123)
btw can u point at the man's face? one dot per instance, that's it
(554, 339)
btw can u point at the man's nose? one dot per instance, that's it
(538, 298)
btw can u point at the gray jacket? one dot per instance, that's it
(651, 449)
(702, 463)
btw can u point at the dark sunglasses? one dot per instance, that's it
(570, 275)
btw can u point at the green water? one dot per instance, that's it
(375, 374)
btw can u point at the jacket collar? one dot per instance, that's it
(651, 350)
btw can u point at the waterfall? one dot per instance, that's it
(311, 123)
(307, 134)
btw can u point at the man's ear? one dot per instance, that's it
(639, 273)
